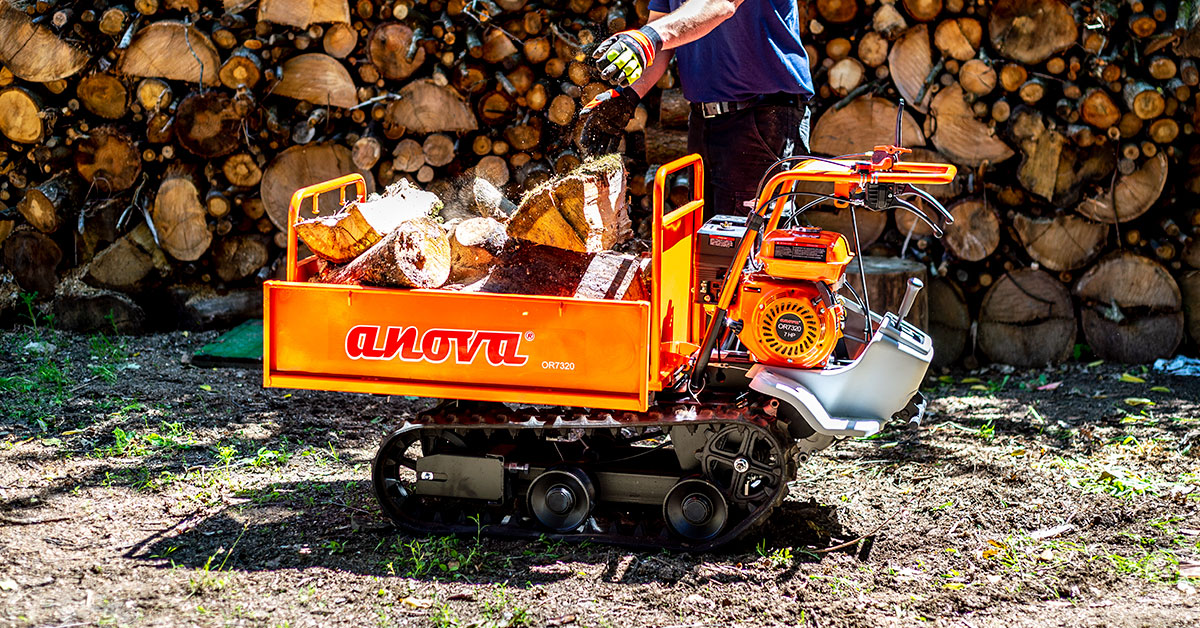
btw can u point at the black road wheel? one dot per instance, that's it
(744, 462)
(394, 472)
(561, 499)
(695, 510)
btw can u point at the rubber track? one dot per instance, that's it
(519, 526)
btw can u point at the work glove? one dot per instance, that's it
(623, 57)
(604, 119)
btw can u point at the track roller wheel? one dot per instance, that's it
(695, 510)
(561, 499)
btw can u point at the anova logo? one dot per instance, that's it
(503, 348)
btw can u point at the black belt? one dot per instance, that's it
(714, 109)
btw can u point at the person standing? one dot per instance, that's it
(745, 72)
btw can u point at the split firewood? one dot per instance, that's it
(317, 78)
(583, 211)
(425, 107)
(865, 122)
(949, 321)
(240, 256)
(156, 52)
(416, 254)
(302, 13)
(1064, 242)
(1027, 320)
(959, 135)
(127, 263)
(343, 236)
(909, 64)
(1131, 196)
(47, 205)
(550, 271)
(33, 52)
(475, 244)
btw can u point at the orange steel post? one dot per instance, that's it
(315, 191)
(672, 309)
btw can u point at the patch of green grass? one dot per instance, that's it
(439, 556)
(210, 578)
(778, 557)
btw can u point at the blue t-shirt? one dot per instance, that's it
(755, 52)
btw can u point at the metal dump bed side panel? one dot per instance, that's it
(438, 343)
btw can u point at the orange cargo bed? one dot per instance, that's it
(487, 347)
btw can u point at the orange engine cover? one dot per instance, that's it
(787, 323)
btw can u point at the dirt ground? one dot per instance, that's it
(136, 489)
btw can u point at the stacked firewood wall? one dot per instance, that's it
(149, 148)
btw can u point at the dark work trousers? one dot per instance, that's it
(738, 147)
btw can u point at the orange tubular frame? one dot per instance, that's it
(675, 320)
(315, 191)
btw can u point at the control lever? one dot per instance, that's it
(909, 189)
(910, 297)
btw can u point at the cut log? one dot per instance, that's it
(909, 64)
(975, 233)
(342, 236)
(409, 156)
(1131, 309)
(1131, 196)
(860, 125)
(240, 256)
(887, 280)
(156, 53)
(180, 219)
(1189, 285)
(1027, 320)
(242, 68)
(583, 211)
(873, 49)
(424, 107)
(958, 38)
(199, 306)
(153, 94)
(438, 150)
(550, 271)
(474, 245)
(977, 77)
(208, 124)
(302, 166)
(340, 40)
(416, 254)
(303, 13)
(20, 116)
(32, 258)
(81, 308)
(387, 48)
(366, 152)
(319, 79)
(1064, 242)
(845, 75)
(888, 21)
(104, 95)
(241, 170)
(838, 11)
(960, 136)
(33, 52)
(1099, 110)
(923, 10)
(1143, 100)
(108, 159)
(949, 321)
(1030, 31)
(48, 204)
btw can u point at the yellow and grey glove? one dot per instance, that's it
(623, 57)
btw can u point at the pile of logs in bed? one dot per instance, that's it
(148, 148)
